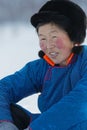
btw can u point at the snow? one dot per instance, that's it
(19, 45)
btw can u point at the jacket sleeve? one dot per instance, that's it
(69, 111)
(15, 87)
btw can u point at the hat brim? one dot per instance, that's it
(46, 17)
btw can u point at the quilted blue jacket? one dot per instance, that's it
(63, 93)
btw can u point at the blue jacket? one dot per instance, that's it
(63, 98)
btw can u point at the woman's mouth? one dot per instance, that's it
(53, 54)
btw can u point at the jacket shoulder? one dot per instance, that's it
(85, 50)
(83, 53)
(38, 64)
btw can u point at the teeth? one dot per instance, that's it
(53, 54)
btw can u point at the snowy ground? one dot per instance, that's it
(18, 45)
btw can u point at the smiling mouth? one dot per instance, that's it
(53, 54)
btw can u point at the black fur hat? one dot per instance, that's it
(75, 16)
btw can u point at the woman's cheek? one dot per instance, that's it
(59, 44)
(43, 46)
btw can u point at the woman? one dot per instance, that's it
(60, 76)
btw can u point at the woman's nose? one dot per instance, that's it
(50, 44)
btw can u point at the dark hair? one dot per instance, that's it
(59, 20)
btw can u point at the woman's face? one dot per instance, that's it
(55, 42)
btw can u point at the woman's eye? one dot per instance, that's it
(54, 36)
(42, 39)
